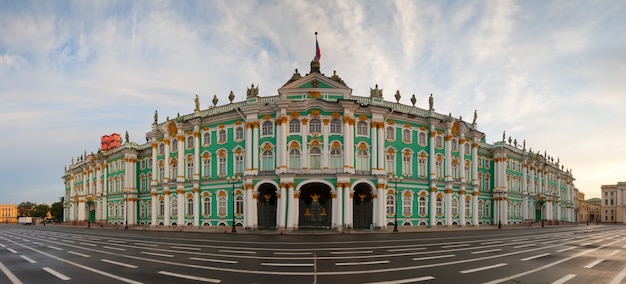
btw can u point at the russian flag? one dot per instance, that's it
(318, 54)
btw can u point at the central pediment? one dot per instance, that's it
(315, 85)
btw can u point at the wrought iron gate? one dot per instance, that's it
(267, 210)
(315, 208)
(362, 210)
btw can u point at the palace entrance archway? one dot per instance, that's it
(363, 206)
(315, 206)
(266, 206)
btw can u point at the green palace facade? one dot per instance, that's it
(316, 156)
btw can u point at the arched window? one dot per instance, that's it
(221, 136)
(190, 169)
(439, 207)
(221, 206)
(391, 202)
(467, 148)
(315, 125)
(336, 161)
(362, 160)
(161, 149)
(173, 171)
(294, 159)
(455, 207)
(390, 162)
(488, 209)
(480, 209)
(149, 209)
(407, 167)
(221, 162)
(406, 135)
(315, 158)
(421, 138)
(267, 161)
(468, 208)
(335, 126)
(174, 207)
(390, 133)
(206, 206)
(267, 128)
(206, 138)
(239, 205)
(239, 133)
(438, 141)
(190, 206)
(422, 206)
(238, 163)
(439, 166)
(455, 145)
(189, 142)
(361, 128)
(294, 126)
(422, 168)
(407, 206)
(161, 208)
(174, 146)
(206, 167)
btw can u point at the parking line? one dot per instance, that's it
(596, 262)
(615, 252)
(526, 245)
(214, 260)
(293, 253)
(486, 251)
(11, 250)
(78, 253)
(55, 273)
(287, 264)
(237, 251)
(405, 249)
(455, 246)
(9, 274)
(361, 263)
(434, 257)
(619, 277)
(189, 248)
(564, 279)
(119, 263)
(28, 259)
(114, 248)
(483, 268)
(351, 252)
(402, 281)
(533, 257)
(184, 276)
(56, 248)
(566, 249)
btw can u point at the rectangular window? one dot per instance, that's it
(238, 164)
(406, 165)
(206, 167)
(222, 167)
(406, 206)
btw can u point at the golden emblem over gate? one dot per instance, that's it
(267, 197)
(362, 196)
(315, 197)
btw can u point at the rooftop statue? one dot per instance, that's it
(156, 117)
(376, 93)
(197, 101)
(431, 102)
(252, 91)
(475, 116)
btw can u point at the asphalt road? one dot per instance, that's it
(58, 254)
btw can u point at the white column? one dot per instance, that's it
(180, 198)
(347, 208)
(251, 206)
(374, 142)
(335, 206)
(166, 160)
(448, 206)
(475, 208)
(155, 167)
(292, 217)
(326, 149)
(382, 199)
(475, 180)
(305, 144)
(462, 159)
(348, 147)
(197, 163)
(433, 205)
(339, 211)
(167, 210)
(255, 146)
(282, 212)
(461, 204)
(431, 155)
(249, 150)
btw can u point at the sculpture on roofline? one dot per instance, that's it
(197, 101)
(431, 102)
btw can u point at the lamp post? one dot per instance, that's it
(232, 180)
(396, 179)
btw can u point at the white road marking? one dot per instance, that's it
(405, 249)
(615, 252)
(524, 246)
(28, 259)
(189, 248)
(564, 279)
(89, 244)
(237, 251)
(55, 273)
(144, 244)
(361, 263)
(38, 243)
(594, 263)
(434, 257)
(78, 253)
(293, 253)
(585, 244)
(184, 276)
(624, 247)
(486, 251)
(1, 245)
(619, 277)
(68, 241)
(56, 248)
(114, 248)
(483, 268)
(157, 254)
(214, 260)
(351, 252)
(116, 241)
(533, 257)
(455, 246)
(402, 281)
(119, 263)
(287, 264)
(11, 250)
(566, 249)
(9, 274)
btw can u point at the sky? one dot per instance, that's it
(552, 73)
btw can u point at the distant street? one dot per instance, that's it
(59, 254)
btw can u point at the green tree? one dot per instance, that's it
(26, 209)
(41, 210)
(56, 210)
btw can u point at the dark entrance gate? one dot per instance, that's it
(363, 207)
(315, 207)
(266, 204)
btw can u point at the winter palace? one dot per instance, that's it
(315, 156)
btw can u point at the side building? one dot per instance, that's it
(316, 156)
(8, 214)
(614, 203)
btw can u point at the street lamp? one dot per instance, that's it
(232, 180)
(396, 179)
